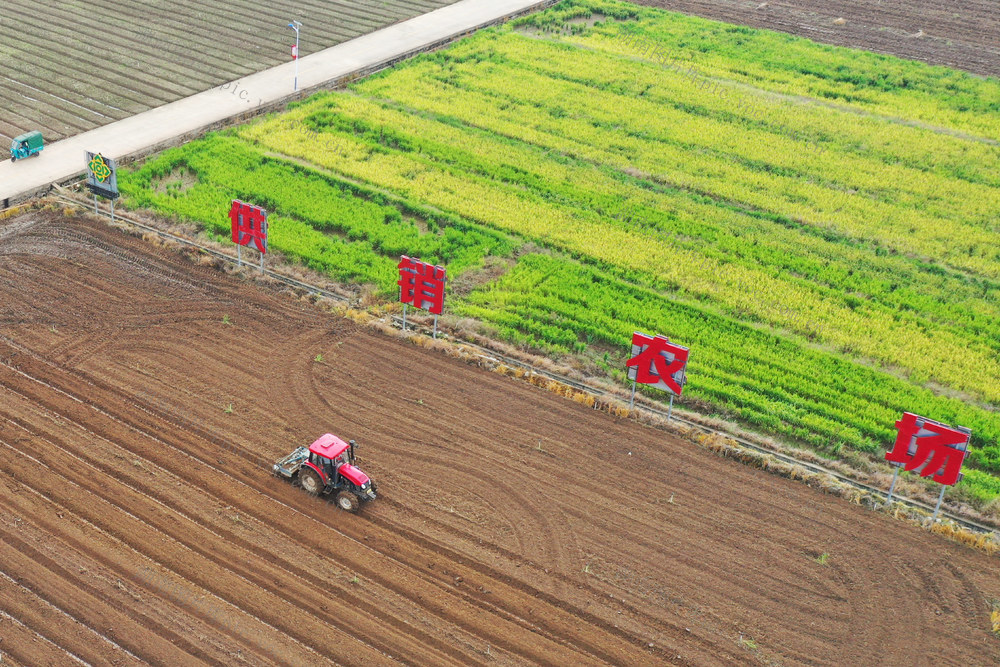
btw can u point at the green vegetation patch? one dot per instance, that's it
(818, 224)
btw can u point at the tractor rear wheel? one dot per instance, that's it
(311, 483)
(347, 501)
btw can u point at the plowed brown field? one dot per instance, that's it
(140, 523)
(69, 67)
(962, 35)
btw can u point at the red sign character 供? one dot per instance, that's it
(249, 224)
(937, 450)
(421, 284)
(658, 362)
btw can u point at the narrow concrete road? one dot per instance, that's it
(270, 89)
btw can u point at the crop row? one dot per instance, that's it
(392, 155)
(768, 381)
(330, 225)
(822, 292)
(780, 62)
(939, 216)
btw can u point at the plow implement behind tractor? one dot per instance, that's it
(327, 466)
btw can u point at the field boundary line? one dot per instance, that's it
(500, 358)
(706, 430)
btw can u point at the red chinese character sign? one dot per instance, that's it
(249, 226)
(929, 448)
(658, 363)
(422, 285)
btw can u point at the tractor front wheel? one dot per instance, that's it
(311, 482)
(347, 501)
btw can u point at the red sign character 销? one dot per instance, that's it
(421, 284)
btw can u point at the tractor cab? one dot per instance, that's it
(26, 145)
(329, 453)
(336, 459)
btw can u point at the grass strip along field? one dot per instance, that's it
(819, 225)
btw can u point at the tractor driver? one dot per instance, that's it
(329, 467)
(339, 461)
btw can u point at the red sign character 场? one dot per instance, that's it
(658, 362)
(421, 284)
(936, 450)
(249, 225)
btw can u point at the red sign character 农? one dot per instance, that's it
(937, 450)
(249, 224)
(658, 362)
(421, 284)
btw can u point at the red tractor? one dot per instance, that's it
(328, 466)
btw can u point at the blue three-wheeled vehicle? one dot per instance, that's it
(26, 145)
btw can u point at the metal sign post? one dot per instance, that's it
(404, 317)
(632, 400)
(895, 476)
(937, 507)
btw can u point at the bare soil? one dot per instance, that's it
(963, 35)
(139, 521)
(68, 67)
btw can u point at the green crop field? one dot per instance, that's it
(819, 225)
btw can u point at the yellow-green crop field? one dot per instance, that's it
(820, 225)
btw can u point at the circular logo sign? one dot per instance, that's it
(99, 168)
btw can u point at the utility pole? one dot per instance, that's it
(295, 25)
